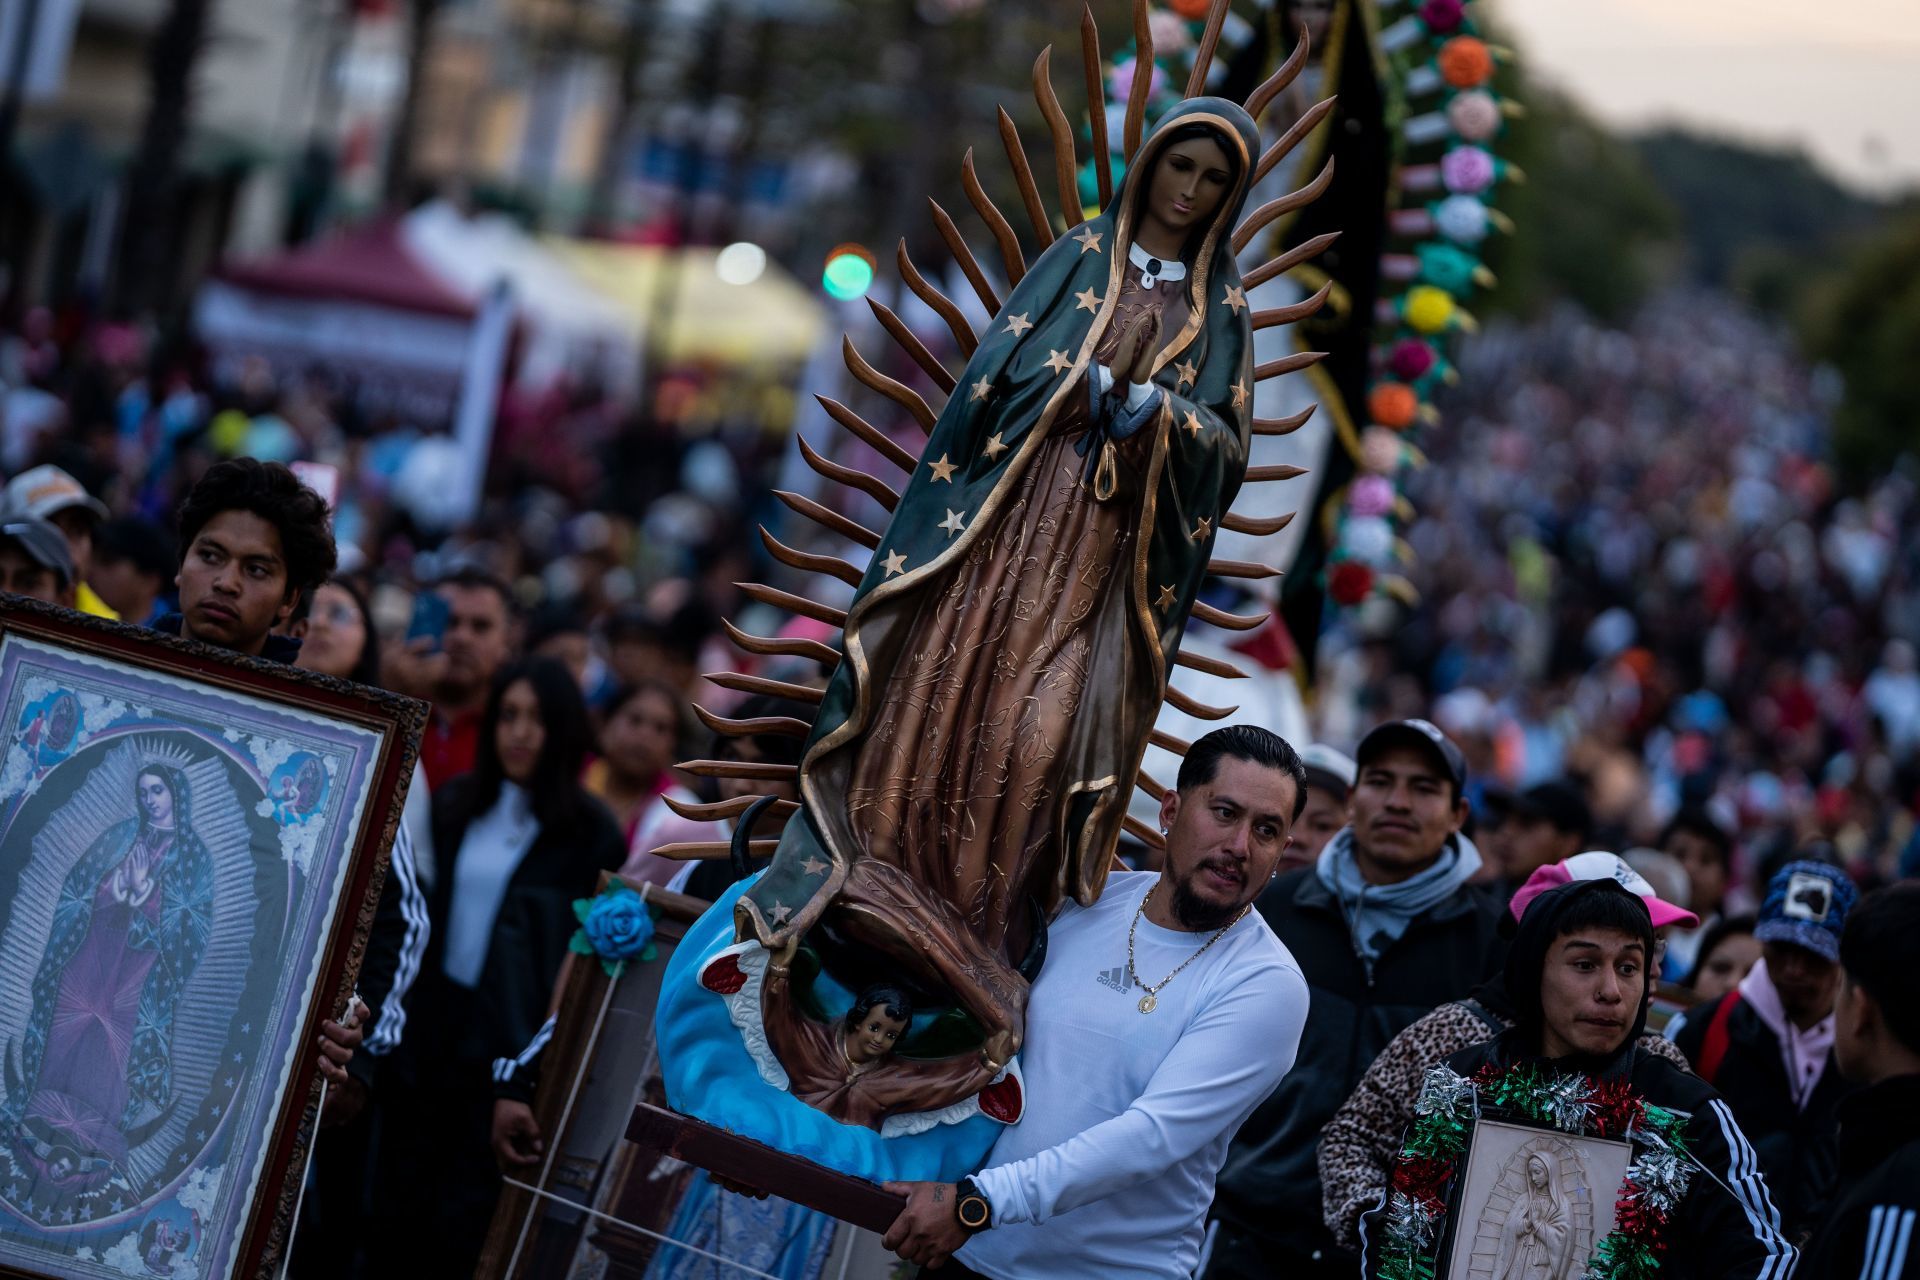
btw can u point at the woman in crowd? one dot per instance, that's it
(337, 638)
(1727, 952)
(518, 840)
(642, 736)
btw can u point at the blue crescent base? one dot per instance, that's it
(711, 1074)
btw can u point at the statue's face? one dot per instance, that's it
(156, 799)
(1537, 1172)
(875, 1036)
(1189, 183)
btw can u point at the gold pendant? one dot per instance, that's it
(1148, 1002)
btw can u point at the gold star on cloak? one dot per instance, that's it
(1087, 300)
(813, 866)
(943, 470)
(1192, 424)
(1089, 240)
(896, 562)
(1059, 361)
(1188, 372)
(955, 521)
(1239, 394)
(982, 389)
(1236, 299)
(781, 912)
(996, 446)
(1017, 325)
(1202, 530)
(1165, 599)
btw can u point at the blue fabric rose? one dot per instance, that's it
(616, 926)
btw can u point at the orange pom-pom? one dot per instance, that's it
(1393, 404)
(1465, 62)
(1191, 10)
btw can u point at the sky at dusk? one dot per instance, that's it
(1841, 79)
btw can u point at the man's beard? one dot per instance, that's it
(1197, 913)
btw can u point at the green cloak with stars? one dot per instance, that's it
(1035, 354)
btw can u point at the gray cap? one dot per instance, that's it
(45, 545)
(1422, 735)
(45, 491)
(1328, 769)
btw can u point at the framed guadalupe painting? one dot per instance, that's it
(191, 847)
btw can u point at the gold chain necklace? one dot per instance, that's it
(1151, 1000)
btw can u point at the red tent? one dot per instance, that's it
(356, 305)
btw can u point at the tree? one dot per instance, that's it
(1867, 325)
(1589, 223)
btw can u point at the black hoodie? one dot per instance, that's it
(1727, 1227)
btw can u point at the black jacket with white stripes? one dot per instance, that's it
(1727, 1227)
(397, 940)
(1871, 1231)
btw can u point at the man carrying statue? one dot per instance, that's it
(1133, 1097)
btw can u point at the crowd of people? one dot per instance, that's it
(1661, 652)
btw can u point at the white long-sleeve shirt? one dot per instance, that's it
(1110, 1170)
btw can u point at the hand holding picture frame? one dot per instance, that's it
(192, 843)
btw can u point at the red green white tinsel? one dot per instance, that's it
(1424, 1175)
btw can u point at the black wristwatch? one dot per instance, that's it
(972, 1207)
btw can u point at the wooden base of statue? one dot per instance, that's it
(592, 1072)
(764, 1168)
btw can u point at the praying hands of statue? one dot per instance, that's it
(1133, 357)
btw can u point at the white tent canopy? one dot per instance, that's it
(569, 325)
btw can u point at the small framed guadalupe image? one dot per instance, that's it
(1533, 1202)
(191, 847)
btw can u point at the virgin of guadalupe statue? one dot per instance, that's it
(129, 928)
(1009, 645)
(1536, 1240)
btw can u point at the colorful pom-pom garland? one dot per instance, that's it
(1436, 273)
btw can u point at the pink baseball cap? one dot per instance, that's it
(1600, 866)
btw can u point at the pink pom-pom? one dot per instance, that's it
(1467, 170)
(1475, 116)
(1121, 84)
(1410, 359)
(1443, 17)
(1370, 495)
(1170, 34)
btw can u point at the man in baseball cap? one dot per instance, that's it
(34, 561)
(1767, 1045)
(1385, 927)
(53, 495)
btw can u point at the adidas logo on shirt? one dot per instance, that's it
(1116, 978)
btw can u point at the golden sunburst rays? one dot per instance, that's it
(1008, 256)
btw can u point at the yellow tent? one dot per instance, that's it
(685, 306)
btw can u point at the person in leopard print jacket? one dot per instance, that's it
(1359, 1144)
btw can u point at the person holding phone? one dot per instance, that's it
(461, 636)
